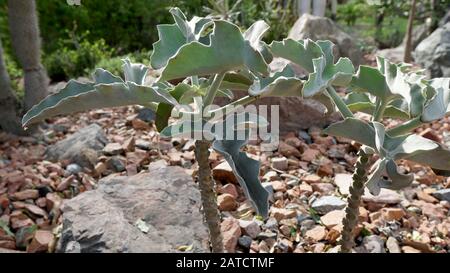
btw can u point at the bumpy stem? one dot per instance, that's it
(353, 201)
(208, 195)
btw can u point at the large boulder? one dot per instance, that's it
(321, 28)
(156, 211)
(433, 53)
(80, 148)
(396, 54)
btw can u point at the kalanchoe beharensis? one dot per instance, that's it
(210, 58)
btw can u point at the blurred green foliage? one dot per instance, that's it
(78, 38)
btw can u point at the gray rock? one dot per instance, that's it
(245, 241)
(321, 28)
(443, 195)
(392, 245)
(73, 168)
(271, 224)
(146, 114)
(386, 196)
(433, 53)
(325, 204)
(374, 244)
(144, 145)
(116, 164)
(307, 224)
(80, 148)
(267, 235)
(104, 220)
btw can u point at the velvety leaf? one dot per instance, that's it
(164, 110)
(77, 96)
(246, 171)
(228, 50)
(370, 80)
(339, 74)
(439, 106)
(437, 158)
(397, 180)
(254, 35)
(281, 84)
(134, 72)
(373, 180)
(354, 129)
(301, 52)
(170, 40)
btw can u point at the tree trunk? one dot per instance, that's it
(334, 5)
(26, 42)
(353, 201)
(319, 7)
(208, 195)
(407, 57)
(9, 119)
(304, 6)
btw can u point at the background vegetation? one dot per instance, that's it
(72, 47)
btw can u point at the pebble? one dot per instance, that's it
(73, 168)
(250, 228)
(392, 245)
(374, 244)
(280, 163)
(316, 233)
(226, 202)
(326, 204)
(231, 231)
(113, 149)
(245, 241)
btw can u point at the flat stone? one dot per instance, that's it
(250, 228)
(280, 163)
(386, 196)
(317, 233)
(332, 218)
(443, 195)
(223, 172)
(326, 204)
(226, 202)
(343, 181)
(392, 245)
(113, 149)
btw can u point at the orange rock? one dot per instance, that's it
(279, 186)
(305, 188)
(332, 218)
(393, 214)
(26, 194)
(223, 172)
(310, 154)
(281, 214)
(230, 189)
(317, 233)
(226, 202)
(312, 178)
(41, 242)
(288, 150)
(421, 195)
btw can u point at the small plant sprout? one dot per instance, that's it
(204, 58)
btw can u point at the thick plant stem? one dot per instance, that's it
(353, 201)
(213, 88)
(208, 195)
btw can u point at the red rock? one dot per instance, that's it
(19, 219)
(26, 194)
(7, 244)
(139, 124)
(279, 186)
(295, 142)
(4, 201)
(280, 214)
(41, 202)
(41, 242)
(325, 188)
(312, 178)
(408, 249)
(393, 214)
(53, 201)
(325, 169)
(305, 189)
(317, 233)
(288, 150)
(421, 195)
(113, 149)
(226, 202)
(223, 172)
(65, 183)
(310, 154)
(231, 231)
(128, 145)
(230, 189)
(430, 134)
(174, 158)
(333, 218)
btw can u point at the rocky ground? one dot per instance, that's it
(308, 177)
